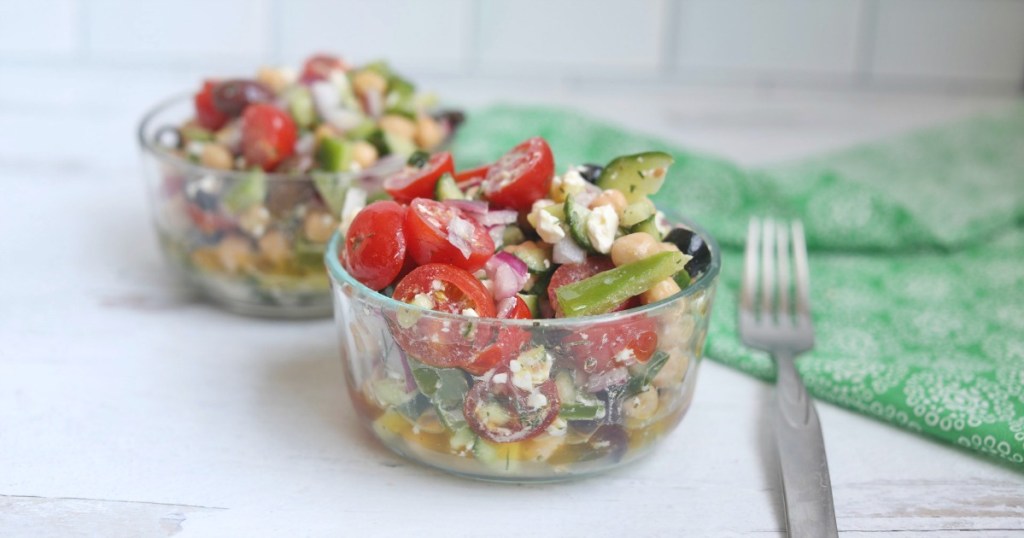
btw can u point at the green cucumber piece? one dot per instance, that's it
(301, 107)
(531, 303)
(512, 235)
(246, 192)
(647, 226)
(576, 217)
(642, 378)
(195, 133)
(535, 257)
(494, 455)
(577, 411)
(446, 388)
(332, 188)
(637, 176)
(446, 189)
(361, 131)
(637, 212)
(398, 145)
(390, 392)
(334, 155)
(606, 290)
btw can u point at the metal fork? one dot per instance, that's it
(770, 321)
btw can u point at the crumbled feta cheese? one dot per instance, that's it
(558, 427)
(208, 184)
(549, 228)
(470, 312)
(602, 223)
(533, 217)
(355, 200)
(536, 400)
(569, 183)
(195, 148)
(531, 368)
(423, 300)
(436, 285)
(500, 379)
(625, 357)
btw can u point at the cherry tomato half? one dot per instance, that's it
(320, 67)
(207, 114)
(508, 342)
(602, 347)
(472, 176)
(572, 272)
(520, 420)
(521, 176)
(428, 228)
(268, 135)
(413, 182)
(444, 288)
(375, 245)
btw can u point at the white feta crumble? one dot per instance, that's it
(208, 184)
(558, 427)
(423, 300)
(626, 356)
(470, 312)
(355, 200)
(533, 217)
(536, 400)
(602, 223)
(500, 379)
(531, 368)
(436, 285)
(549, 228)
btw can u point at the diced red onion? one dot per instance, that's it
(519, 266)
(305, 144)
(410, 382)
(460, 231)
(505, 306)
(497, 234)
(471, 182)
(326, 97)
(499, 216)
(603, 380)
(587, 195)
(374, 103)
(507, 273)
(472, 208)
(567, 251)
(342, 118)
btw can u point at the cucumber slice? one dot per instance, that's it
(577, 411)
(246, 192)
(398, 145)
(533, 255)
(334, 154)
(576, 217)
(501, 457)
(446, 388)
(332, 188)
(446, 189)
(637, 176)
(637, 212)
(512, 235)
(642, 379)
(647, 226)
(301, 107)
(361, 131)
(531, 303)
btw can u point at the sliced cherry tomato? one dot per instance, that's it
(444, 288)
(375, 245)
(521, 176)
(602, 347)
(268, 135)
(428, 229)
(320, 67)
(502, 412)
(473, 176)
(413, 182)
(508, 342)
(209, 223)
(207, 114)
(572, 272)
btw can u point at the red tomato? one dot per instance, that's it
(375, 245)
(572, 272)
(207, 222)
(524, 421)
(442, 343)
(473, 175)
(427, 229)
(268, 135)
(320, 66)
(521, 176)
(414, 182)
(508, 342)
(207, 115)
(600, 348)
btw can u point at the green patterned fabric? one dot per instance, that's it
(917, 261)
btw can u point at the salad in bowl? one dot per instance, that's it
(511, 323)
(247, 176)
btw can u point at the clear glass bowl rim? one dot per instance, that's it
(705, 281)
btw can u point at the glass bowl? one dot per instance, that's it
(565, 400)
(252, 242)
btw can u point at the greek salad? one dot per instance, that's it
(513, 240)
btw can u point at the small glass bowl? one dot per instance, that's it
(607, 416)
(264, 259)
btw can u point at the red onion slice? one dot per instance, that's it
(505, 306)
(507, 273)
(567, 251)
(499, 216)
(603, 380)
(472, 208)
(460, 231)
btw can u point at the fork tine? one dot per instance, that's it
(782, 252)
(767, 267)
(803, 276)
(749, 285)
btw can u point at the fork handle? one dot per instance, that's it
(807, 488)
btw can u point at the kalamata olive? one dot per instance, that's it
(608, 442)
(232, 96)
(590, 172)
(692, 244)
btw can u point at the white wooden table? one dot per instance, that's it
(129, 409)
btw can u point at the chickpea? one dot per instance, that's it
(662, 290)
(275, 79)
(613, 197)
(364, 153)
(633, 247)
(642, 406)
(673, 371)
(429, 133)
(275, 248)
(541, 448)
(229, 136)
(319, 226)
(367, 81)
(216, 156)
(324, 130)
(678, 331)
(234, 253)
(254, 220)
(398, 125)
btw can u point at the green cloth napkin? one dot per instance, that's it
(917, 261)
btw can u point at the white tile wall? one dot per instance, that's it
(847, 43)
(981, 39)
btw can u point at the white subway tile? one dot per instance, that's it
(982, 39)
(413, 36)
(768, 36)
(190, 30)
(571, 36)
(43, 27)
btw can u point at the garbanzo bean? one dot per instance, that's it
(428, 132)
(318, 226)
(364, 153)
(367, 81)
(633, 247)
(662, 290)
(216, 156)
(612, 197)
(642, 406)
(274, 247)
(398, 126)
